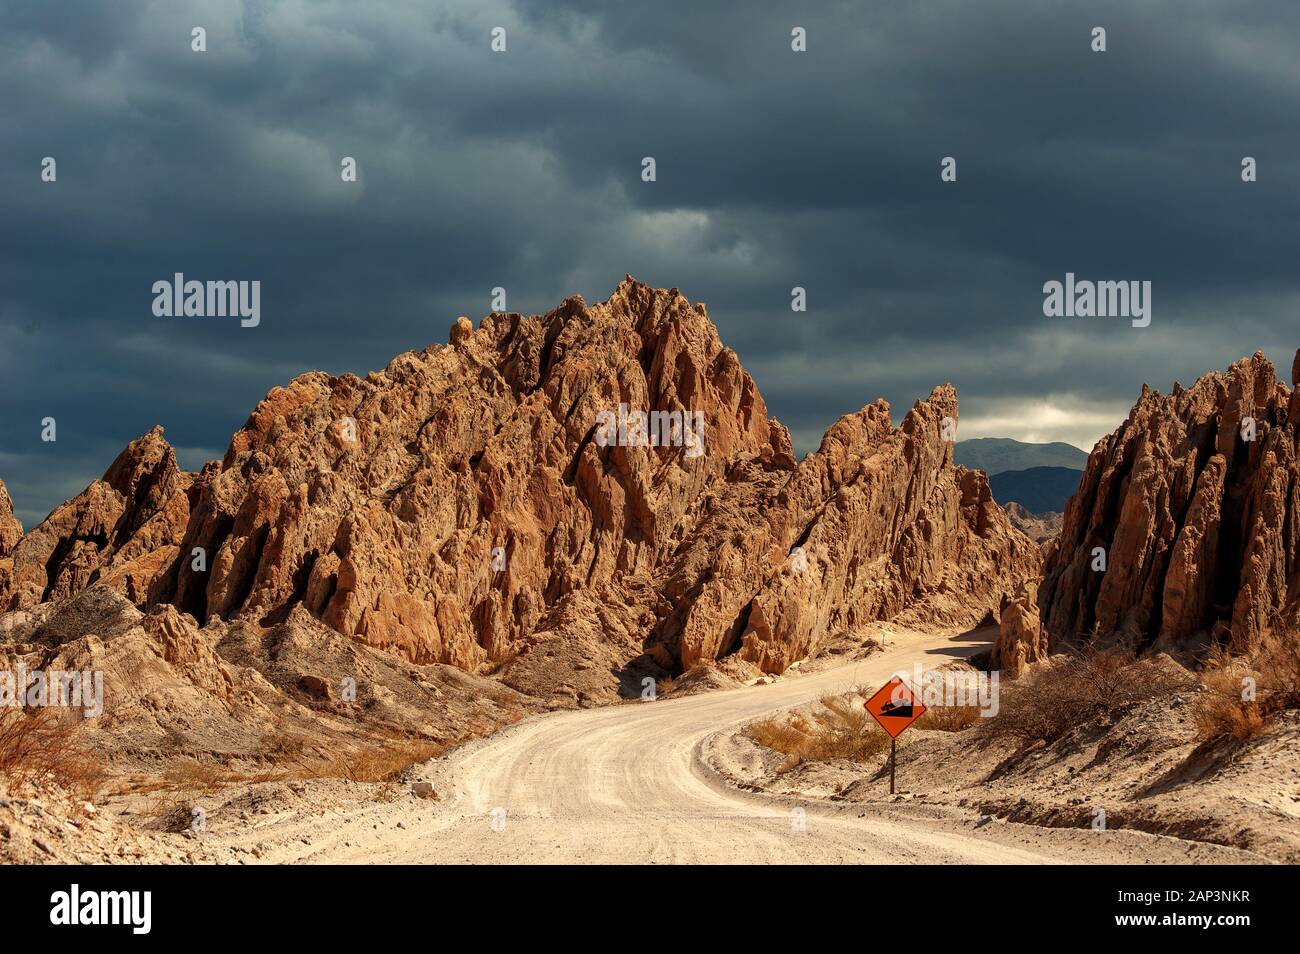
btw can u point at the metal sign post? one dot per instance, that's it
(895, 708)
(893, 761)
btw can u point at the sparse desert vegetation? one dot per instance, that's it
(1237, 696)
(948, 718)
(1243, 695)
(1083, 687)
(39, 748)
(295, 758)
(1157, 745)
(837, 727)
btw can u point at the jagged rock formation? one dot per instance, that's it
(11, 531)
(465, 506)
(1021, 639)
(883, 523)
(121, 530)
(378, 503)
(1199, 525)
(1039, 527)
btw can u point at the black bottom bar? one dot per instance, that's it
(293, 905)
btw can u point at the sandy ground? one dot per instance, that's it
(627, 784)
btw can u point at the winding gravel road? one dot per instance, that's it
(624, 784)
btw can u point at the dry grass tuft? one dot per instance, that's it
(297, 759)
(38, 748)
(838, 729)
(1228, 709)
(192, 775)
(948, 718)
(1092, 685)
(381, 763)
(280, 746)
(784, 735)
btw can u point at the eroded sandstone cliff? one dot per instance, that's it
(460, 507)
(121, 530)
(11, 531)
(876, 523)
(1194, 505)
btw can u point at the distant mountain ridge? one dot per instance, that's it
(1039, 490)
(994, 455)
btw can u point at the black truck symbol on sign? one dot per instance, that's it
(894, 707)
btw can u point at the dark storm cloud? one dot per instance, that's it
(521, 169)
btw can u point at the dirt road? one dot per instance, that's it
(624, 785)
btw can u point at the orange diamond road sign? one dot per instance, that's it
(894, 707)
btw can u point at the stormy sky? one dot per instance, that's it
(522, 169)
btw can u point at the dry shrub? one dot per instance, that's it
(38, 747)
(296, 758)
(1221, 710)
(190, 773)
(665, 685)
(839, 729)
(387, 792)
(379, 759)
(1089, 686)
(168, 812)
(380, 763)
(948, 718)
(784, 735)
(846, 731)
(281, 745)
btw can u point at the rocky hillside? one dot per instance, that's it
(1194, 505)
(464, 506)
(1039, 527)
(11, 531)
(121, 530)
